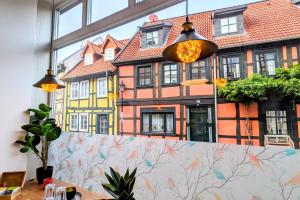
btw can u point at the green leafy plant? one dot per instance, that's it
(285, 84)
(41, 129)
(120, 187)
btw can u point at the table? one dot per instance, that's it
(32, 191)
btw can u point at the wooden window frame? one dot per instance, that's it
(264, 51)
(79, 122)
(163, 74)
(98, 123)
(88, 89)
(71, 90)
(163, 111)
(138, 76)
(98, 88)
(70, 122)
(241, 65)
(207, 70)
(228, 24)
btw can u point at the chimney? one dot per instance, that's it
(153, 18)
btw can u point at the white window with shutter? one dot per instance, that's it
(102, 87)
(88, 59)
(109, 54)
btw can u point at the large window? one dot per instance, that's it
(229, 25)
(73, 122)
(170, 73)
(158, 123)
(99, 9)
(69, 19)
(266, 63)
(83, 122)
(276, 121)
(74, 90)
(102, 125)
(231, 67)
(198, 70)
(84, 89)
(144, 74)
(102, 87)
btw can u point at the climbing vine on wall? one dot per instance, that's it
(257, 87)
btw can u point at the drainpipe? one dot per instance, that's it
(215, 95)
(215, 82)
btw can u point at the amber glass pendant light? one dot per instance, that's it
(49, 83)
(189, 45)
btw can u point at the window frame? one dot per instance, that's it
(164, 112)
(138, 76)
(146, 32)
(80, 120)
(105, 54)
(88, 89)
(70, 122)
(241, 65)
(71, 90)
(264, 51)
(163, 83)
(65, 7)
(98, 89)
(207, 70)
(276, 118)
(228, 25)
(98, 123)
(91, 59)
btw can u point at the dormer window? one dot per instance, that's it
(154, 33)
(229, 25)
(88, 59)
(229, 21)
(152, 38)
(109, 54)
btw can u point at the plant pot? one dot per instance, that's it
(41, 173)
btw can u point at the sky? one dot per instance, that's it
(70, 21)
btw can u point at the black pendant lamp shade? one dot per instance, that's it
(49, 83)
(189, 45)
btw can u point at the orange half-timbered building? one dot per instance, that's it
(156, 99)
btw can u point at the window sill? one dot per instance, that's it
(144, 86)
(158, 134)
(170, 84)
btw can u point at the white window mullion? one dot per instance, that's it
(83, 122)
(84, 89)
(102, 87)
(74, 91)
(73, 123)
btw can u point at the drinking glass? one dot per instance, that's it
(49, 192)
(61, 193)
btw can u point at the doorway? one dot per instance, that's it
(201, 124)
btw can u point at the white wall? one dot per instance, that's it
(23, 60)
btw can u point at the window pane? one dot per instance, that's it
(146, 127)
(232, 20)
(103, 124)
(276, 122)
(170, 122)
(224, 21)
(69, 20)
(224, 29)
(270, 56)
(100, 9)
(157, 123)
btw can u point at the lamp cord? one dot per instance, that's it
(187, 10)
(52, 35)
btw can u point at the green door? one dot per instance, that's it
(200, 124)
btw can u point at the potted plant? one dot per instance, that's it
(41, 130)
(120, 187)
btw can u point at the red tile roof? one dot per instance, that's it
(99, 66)
(266, 21)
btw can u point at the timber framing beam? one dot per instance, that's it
(132, 12)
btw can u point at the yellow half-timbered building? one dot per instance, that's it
(91, 90)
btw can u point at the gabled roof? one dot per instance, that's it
(95, 48)
(117, 44)
(265, 21)
(99, 66)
